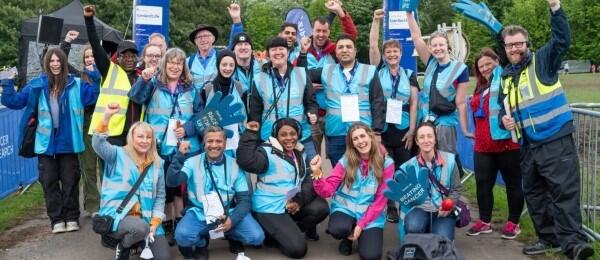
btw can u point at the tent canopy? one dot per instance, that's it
(72, 14)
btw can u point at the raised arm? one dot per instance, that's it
(374, 53)
(100, 56)
(106, 151)
(250, 156)
(16, 100)
(550, 56)
(415, 34)
(237, 26)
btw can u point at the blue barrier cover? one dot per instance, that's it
(15, 171)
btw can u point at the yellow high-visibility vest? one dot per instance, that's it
(115, 88)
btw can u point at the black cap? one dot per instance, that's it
(126, 45)
(241, 37)
(201, 27)
(276, 42)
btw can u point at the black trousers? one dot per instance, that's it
(370, 242)
(487, 166)
(551, 184)
(59, 176)
(392, 140)
(287, 229)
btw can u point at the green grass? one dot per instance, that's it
(14, 209)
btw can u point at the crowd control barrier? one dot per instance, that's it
(15, 171)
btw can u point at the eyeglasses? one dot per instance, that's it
(509, 46)
(153, 56)
(179, 64)
(204, 36)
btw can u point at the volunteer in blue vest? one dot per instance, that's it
(284, 201)
(247, 67)
(356, 185)
(117, 78)
(450, 78)
(543, 122)
(321, 52)
(351, 87)
(213, 178)
(280, 91)
(141, 217)
(493, 149)
(170, 100)
(202, 62)
(225, 83)
(57, 99)
(430, 216)
(88, 158)
(401, 90)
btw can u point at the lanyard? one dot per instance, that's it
(348, 81)
(208, 167)
(395, 83)
(175, 102)
(282, 88)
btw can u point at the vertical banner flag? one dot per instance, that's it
(149, 16)
(395, 26)
(300, 17)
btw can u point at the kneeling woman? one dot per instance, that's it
(356, 184)
(143, 214)
(429, 217)
(284, 200)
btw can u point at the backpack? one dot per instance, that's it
(425, 247)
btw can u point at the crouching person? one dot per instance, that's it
(218, 195)
(142, 214)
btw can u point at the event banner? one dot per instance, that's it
(300, 17)
(149, 16)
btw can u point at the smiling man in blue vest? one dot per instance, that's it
(543, 121)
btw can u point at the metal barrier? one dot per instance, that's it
(15, 171)
(587, 140)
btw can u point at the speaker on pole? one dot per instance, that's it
(49, 30)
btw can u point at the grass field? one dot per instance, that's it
(16, 208)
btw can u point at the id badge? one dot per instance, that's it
(171, 139)
(349, 108)
(232, 143)
(212, 207)
(292, 193)
(525, 93)
(214, 234)
(393, 113)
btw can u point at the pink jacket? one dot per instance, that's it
(327, 187)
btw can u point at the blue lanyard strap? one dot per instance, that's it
(175, 101)
(395, 83)
(346, 80)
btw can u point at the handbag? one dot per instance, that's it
(103, 224)
(27, 145)
(461, 209)
(438, 104)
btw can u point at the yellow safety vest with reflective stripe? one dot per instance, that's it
(115, 88)
(542, 109)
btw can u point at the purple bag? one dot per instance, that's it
(463, 214)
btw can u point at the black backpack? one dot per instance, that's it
(425, 247)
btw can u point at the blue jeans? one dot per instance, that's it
(336, 147)
(420, 221)
(193, 232)
(309, 148)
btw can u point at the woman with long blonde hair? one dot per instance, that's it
(142, 215)
(356, 185)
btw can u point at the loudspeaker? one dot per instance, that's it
(49, 30)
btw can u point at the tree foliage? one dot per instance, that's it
(262, 19)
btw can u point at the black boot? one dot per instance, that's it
(312, 234)
(121, 253)
(168, 225)
(187, 252)
(201, 253)
(345, 247)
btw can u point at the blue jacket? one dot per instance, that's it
(61, 139)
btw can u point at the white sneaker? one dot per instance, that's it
(72, 226)
(59, 228)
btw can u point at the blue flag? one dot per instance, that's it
(300, 17)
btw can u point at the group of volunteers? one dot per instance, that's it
(256, 178)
